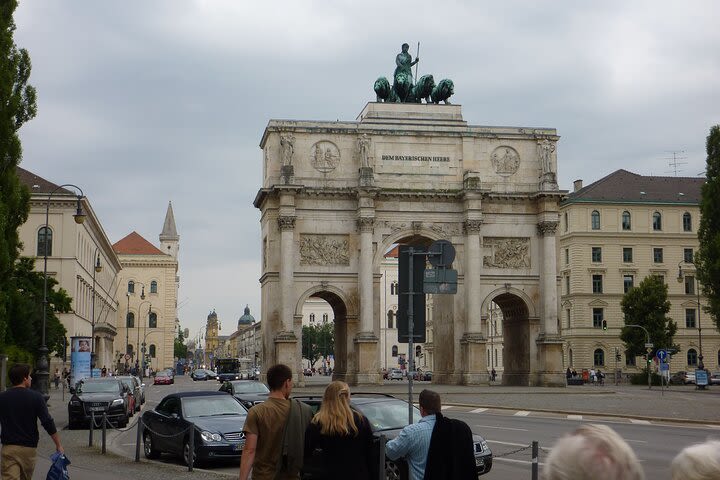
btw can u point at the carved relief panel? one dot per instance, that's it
(324, 250)
(507, 252)
(324, 156)
(506, 160)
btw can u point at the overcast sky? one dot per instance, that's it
(142, 102)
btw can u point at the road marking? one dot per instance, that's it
(512, 460)
(127, 444)
(713, 426)
(499, 443)
(639, 422)
(574, 417)
(446, 407)
(479, 410)
(522, 413)
(634, 441)
(503, 428)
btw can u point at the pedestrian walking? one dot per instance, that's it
(338, 441)
(56, 378)
(20, 409)
(274, 431)
(493, 374)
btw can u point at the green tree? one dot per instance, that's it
(707, 260)
(25, 309)
(648, 305)
(17, 106)
(318, 341)
(180, 351)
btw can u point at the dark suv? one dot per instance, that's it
(98, 396)
(388, 415)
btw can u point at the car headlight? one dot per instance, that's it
(485, 447)
(75, 403)
(117, 401)
(210, 437)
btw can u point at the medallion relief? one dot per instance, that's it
(325, 156)
(507, 252)
(506, 160)
(324, 250)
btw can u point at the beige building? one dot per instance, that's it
(148, 290)
(613, 233)
(73, 253)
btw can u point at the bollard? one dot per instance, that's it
(534, 460)
(383, 441)
(104, 432)
(138, 438)
(191, 454)
(92, 426)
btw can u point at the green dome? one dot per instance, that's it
(246, 319)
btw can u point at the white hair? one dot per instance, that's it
(592, 452)
(698, 462)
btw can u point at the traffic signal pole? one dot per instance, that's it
(411, 332)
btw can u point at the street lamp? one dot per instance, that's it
(648, 349)
(97, 269)
(41, 367)
(680, 279)
(142, 350)
(137, 323)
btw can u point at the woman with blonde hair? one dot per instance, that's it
(338, 441)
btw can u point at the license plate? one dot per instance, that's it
(237, 447)
(97, 409)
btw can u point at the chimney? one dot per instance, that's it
(577, 185)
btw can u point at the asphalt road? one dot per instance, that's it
(505, 430)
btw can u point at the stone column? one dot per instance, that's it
(473, 341)
(365, 341)
(285, 339)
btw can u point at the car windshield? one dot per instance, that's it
(161, 374)
(387, 415)
(98, 387)
(250, 387)
(211, 406)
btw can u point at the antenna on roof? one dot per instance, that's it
(673, 161)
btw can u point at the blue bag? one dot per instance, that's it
(58, 469)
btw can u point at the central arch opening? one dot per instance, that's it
(515, 339)
(327, 354)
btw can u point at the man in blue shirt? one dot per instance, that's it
(413, 442)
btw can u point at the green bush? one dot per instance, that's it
(15, 355)
(641, 379)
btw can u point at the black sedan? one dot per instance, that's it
(217, 421)
(199, 374)
(248, 392)
(98, 396)
(387, 416)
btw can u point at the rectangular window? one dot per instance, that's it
(627, 254)
(658, 255)
(660, 276)
(689, 285)
(629, 359)
(597, 284)
(596, 254)
(567, 256)
(567, 317)
(688, 255)
(597, 317)
(690, 318)
(628, 283)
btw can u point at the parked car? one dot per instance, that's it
(101, 395)
(142, 390)
(216, 419)
(211, 374)
(162, 378)
(248, 392)
(428, 376)
(387, 416)
(714, 378)
(307, 372)
(682, 378)
(134, 388)
(396, 374)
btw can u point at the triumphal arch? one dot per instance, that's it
(337, 195)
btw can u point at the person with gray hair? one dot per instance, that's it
(698, 462)
(592, 452)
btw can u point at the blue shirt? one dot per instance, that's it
(413, 444)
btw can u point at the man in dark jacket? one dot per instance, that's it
(452, 452)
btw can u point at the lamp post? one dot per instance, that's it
(647, 342)
(142, 350)
(137, 346)
(41, 367)
(97, 269)
(680, 279)
(127, 331)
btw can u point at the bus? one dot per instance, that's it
(227, 369)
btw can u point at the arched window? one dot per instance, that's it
(131, 287)
(44, 242)
(153, 287)
(626, 221)
(325, 317)
(390, 317)
(418, 351)
(312, 318)
(130, 323)
(152, 323)
(570, 357)
(718, 357)
(687, 222)
(595, 220)
(152, 351)
(692, 357)
(130, 350)
(657, 221)
(392, 289)
(394, 351)
(599, 357)
(565, 216)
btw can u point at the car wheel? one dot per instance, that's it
(150, 452)
(186, 454)
(122, 423)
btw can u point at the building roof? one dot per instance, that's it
(135, 244)
(37, 184)
(625, 186)
(246, 318)
(394, 252)
(169, 231)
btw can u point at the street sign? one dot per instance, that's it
(664, 367)
(662, 355)
(649, 345)
(444, 254)
(440, 280)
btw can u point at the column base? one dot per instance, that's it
(474, 359)
(550, 371)
(366, 360)
(285, 352)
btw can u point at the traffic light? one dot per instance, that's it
(405, 285)
(604, 324)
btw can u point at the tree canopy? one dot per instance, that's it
(318, 341)
(647, 305)
(180, 351)
(707, 259)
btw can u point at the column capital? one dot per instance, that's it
(547, 228)
(365, 224)
(286, 222)
(473, 226)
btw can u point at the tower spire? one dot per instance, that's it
(169, 238)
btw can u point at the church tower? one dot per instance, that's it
(169, 238)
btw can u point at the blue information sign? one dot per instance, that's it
(661, 355)
(701, 378)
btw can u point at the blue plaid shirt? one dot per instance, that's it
(413, 444)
